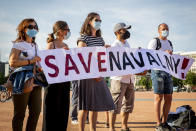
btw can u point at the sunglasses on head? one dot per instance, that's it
(32, 27)
(97, 20)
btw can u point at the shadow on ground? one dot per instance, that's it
(135, 123)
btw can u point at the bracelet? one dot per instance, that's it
(29, 62)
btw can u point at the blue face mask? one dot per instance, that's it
(165, 33)
(32, 32)
(67, 36)
(96, 25)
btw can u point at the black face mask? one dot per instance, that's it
(125, 35)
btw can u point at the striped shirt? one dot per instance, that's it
(92, 40)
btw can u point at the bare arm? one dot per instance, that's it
(50, 46)
(82, 44)
(14, 60)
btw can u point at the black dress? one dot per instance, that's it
(56, 106)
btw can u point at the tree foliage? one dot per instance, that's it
(2, 79)
(190, 79)
(145, 81)
(178, 82)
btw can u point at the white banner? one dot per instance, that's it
(61, 65)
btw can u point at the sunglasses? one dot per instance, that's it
(97, 20)
(32, 27)
(66, 29)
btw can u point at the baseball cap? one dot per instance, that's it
(121, 26)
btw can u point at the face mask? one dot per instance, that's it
(125, 35)
(31, 32)
(165, 33)
(96, 25)
(67, 36)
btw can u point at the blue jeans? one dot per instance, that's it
(161, 82)
(74, 100)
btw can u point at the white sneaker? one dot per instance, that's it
(74, 122)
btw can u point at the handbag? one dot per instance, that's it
(39, 77)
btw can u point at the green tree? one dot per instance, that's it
(177, 82)
(145, 81)
(2, 79)
(190, 79)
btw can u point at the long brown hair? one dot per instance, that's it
(59, 25)
(21, 35)
(86, 27)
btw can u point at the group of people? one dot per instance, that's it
(89, 96)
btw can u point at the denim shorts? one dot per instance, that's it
(161, 82)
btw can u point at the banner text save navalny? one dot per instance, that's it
(60, 65)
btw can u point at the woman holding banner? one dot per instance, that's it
(56, 97)
(94, 95)
(22, 60)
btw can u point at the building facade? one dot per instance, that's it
(191, 54)
(4, 68)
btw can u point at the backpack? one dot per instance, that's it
(184, 117)
(159, 44)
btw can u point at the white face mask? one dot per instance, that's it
(67, 36)
(165, 33)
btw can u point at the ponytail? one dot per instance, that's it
(50, 38)
(59, 25)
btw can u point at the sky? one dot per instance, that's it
(143, 15)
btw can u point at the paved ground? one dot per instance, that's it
(142, 119)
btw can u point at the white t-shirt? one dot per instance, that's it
(27, 50)
(165, 45)
(125, 78)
